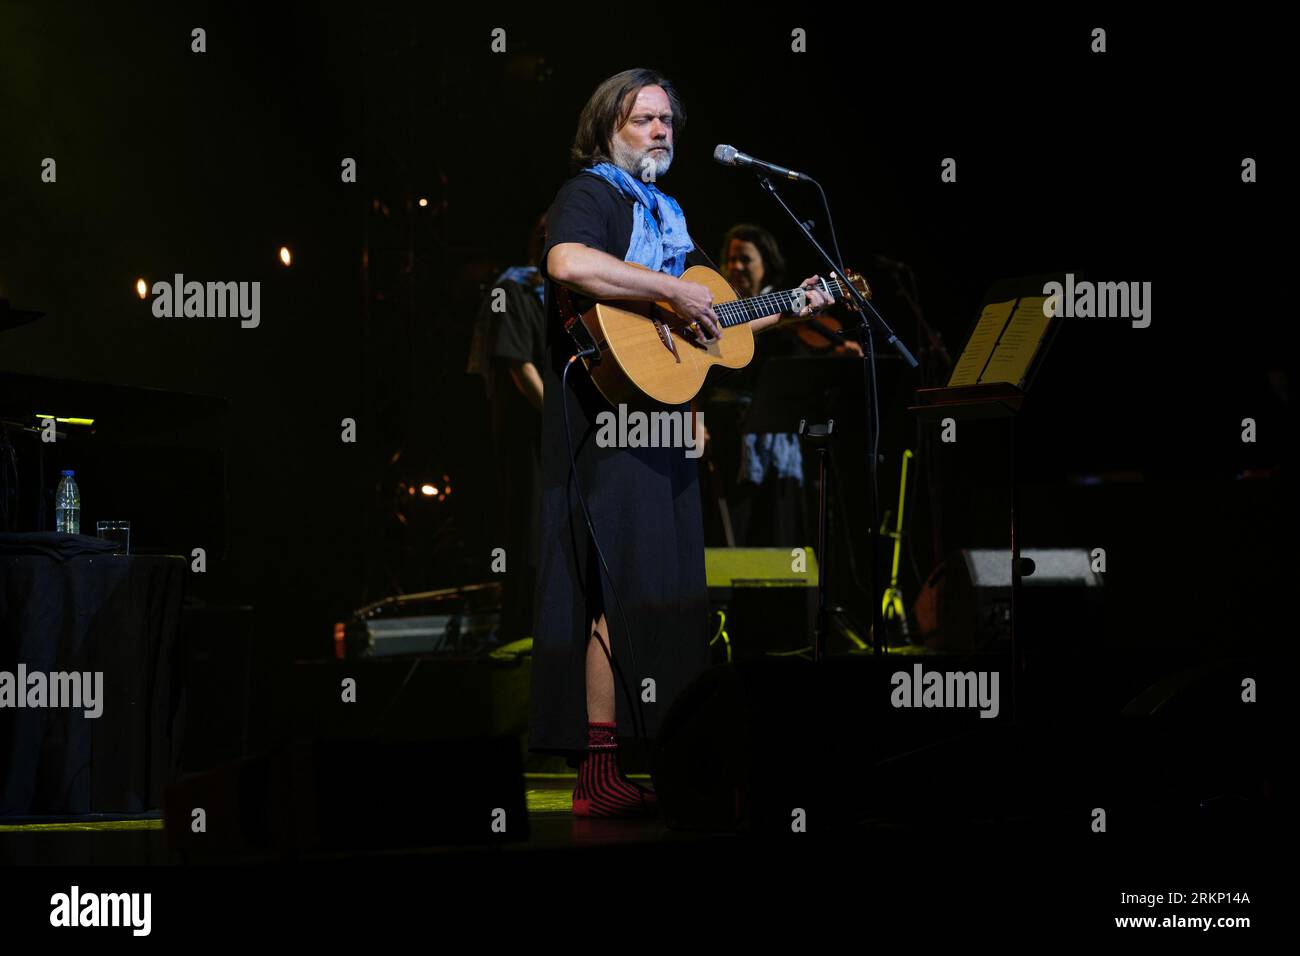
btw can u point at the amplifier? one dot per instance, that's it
(728, 568)
(763, 599)
(454, 621)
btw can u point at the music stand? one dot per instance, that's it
(790, 394)
(791, 389)
(997, 399)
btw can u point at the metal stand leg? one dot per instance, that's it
(820, 435)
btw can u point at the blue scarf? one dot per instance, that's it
(659, 237)
(523, 275)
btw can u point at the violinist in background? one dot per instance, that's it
(767, 501)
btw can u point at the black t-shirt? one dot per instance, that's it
(517, 334)
(590, 211)
(521, 333)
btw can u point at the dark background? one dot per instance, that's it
(1123, 166)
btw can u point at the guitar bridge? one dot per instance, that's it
(666, 337)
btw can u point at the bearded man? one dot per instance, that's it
(644, 502)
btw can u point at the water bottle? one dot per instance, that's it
(67, 505)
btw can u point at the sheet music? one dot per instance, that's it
(975, 356)
(1019, 343)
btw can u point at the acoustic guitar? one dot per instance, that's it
(640, 356)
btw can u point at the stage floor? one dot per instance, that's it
(128, 840)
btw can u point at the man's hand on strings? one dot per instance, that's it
(816, 298)
(693, 307)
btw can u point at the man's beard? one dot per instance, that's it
(646, 166)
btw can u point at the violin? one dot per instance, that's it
(819, 333)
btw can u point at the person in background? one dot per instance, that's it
(508, 351)
(767, 501)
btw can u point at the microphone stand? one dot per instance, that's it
(866, 312)
(931, 376)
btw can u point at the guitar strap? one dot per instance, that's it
(573, 321)
(565, 302)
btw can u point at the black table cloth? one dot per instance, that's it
(88, 613)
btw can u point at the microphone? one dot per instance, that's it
(730, 156)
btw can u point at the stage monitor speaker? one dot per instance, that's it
(755, 745)
(762, 745)
(734, 751)
(768, 597)
(409, 699)
(965, 605)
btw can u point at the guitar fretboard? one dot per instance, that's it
(746, 310)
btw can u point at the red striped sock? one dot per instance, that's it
(602, 791)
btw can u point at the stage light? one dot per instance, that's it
(428, 490)
(424, 202)
(285, 257)
(141, 288)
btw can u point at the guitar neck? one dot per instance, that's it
(740, 311)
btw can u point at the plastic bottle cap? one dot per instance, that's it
(68, 472)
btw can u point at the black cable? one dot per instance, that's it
(636, 711)
(872, 399)
(835, 243)
(871, 411)
(868, 355)
(8, 465)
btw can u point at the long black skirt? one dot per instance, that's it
(645, 508)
